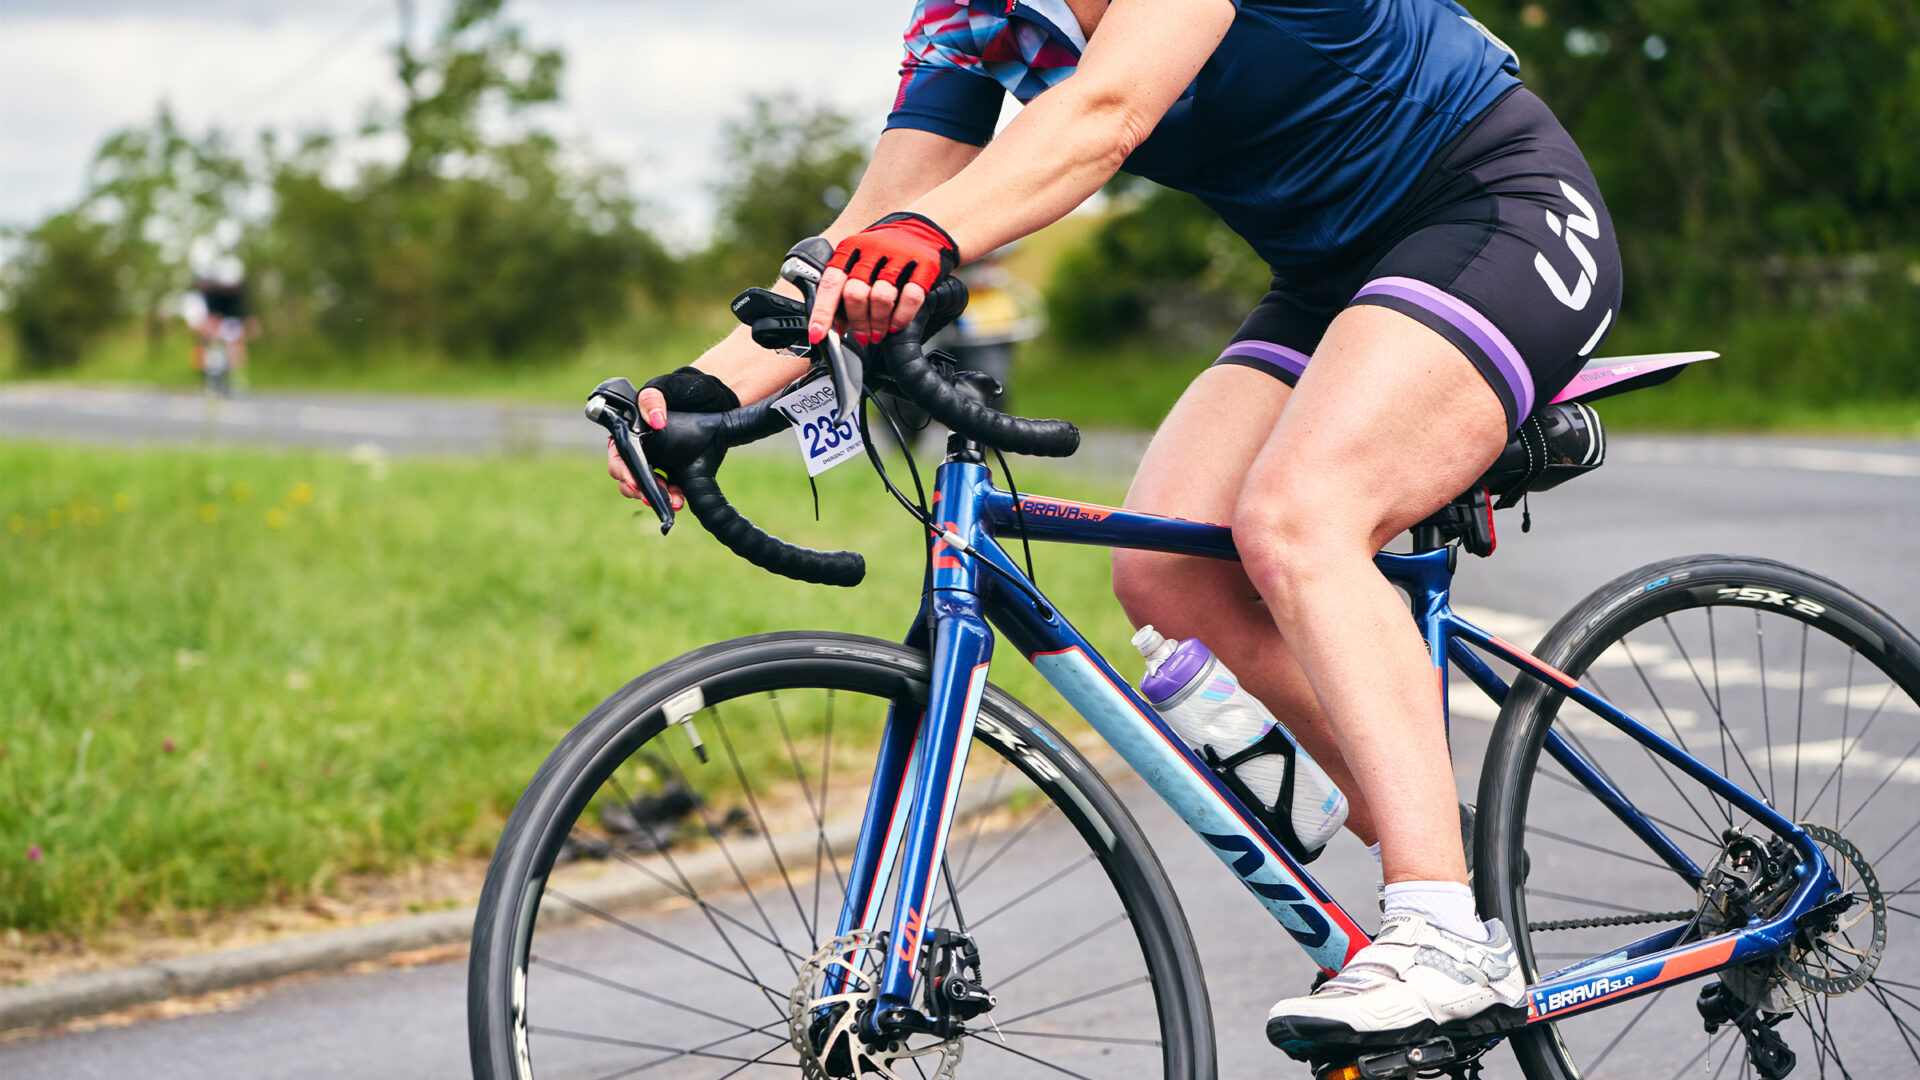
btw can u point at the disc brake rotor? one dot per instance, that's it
(825, 1028)
(1835, 960)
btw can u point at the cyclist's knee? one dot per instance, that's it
(1286, 545)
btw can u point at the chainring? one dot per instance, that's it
(1832, 964)
(856, 958)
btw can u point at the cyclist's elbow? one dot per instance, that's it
(1109, 123)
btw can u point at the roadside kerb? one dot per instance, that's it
(75, 996)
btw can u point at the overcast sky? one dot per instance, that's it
(647, 81)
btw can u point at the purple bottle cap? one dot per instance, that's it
(1176, 671)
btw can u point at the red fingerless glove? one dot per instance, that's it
(902, 249)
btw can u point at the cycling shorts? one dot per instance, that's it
(1503, 247)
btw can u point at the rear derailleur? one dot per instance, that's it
(1771, 1057)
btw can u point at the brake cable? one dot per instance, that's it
(925, 517)
(1019, 513)
(920, 511)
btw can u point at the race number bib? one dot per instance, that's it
(823, 443)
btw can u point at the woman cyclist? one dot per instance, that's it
(1442, 261)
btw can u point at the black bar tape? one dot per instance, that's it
(750, 542)
(925, 388)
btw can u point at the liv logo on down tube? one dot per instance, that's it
(1315, 930)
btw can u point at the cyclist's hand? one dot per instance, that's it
(618, 470)
(879, 277)
(687, 389)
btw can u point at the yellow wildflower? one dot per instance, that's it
(209, 513)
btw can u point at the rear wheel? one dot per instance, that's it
(1791, 687)
(647, 914)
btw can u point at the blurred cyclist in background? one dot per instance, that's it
(216, 310)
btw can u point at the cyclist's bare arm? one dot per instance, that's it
(906, 165)
(1060, 149)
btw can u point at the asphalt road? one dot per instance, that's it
(1850, 511)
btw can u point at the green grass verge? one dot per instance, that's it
(233, 677)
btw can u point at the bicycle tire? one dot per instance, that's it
(1648, 625)
(505, 1022)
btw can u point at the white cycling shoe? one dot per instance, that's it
(1414, 978)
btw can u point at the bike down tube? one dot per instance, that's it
(962, 647)
(1132, 727)
(1586, 987)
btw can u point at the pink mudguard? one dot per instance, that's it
(1606, 371)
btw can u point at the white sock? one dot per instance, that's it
(1446, 904)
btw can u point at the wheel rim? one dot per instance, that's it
(748, 882)
(1788, 698)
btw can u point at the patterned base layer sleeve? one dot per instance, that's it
(1469, 331)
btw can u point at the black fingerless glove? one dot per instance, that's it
(689, 389)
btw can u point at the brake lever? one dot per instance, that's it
(605, 408)
(804, 264)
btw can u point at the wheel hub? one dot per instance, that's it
(827, 1030)
(1832, 953)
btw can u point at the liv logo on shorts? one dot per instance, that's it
(1587, 223)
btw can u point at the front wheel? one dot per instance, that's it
(650, 913)
(1794, 689)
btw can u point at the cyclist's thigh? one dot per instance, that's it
(1194, 466)
(1201, 454)
(1388, 423)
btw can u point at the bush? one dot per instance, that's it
(64, 290)
(1166, 266)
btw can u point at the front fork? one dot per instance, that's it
(916, 788)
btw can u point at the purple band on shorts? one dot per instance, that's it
(1291, 361)
(1499, 351)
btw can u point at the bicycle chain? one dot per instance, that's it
(1611, 920)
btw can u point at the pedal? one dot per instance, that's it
(1439, 1054)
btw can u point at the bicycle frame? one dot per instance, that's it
(923, 752)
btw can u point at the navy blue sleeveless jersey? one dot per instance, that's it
(1309, 122)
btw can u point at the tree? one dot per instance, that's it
(156, 191)
(478, 63)
(1745, 130)
(478, 241)
(789, 168)
(64, 289)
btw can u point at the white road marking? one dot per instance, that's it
(1816, 459)
(1869, 763)
(1521, 630)
(1871, 698)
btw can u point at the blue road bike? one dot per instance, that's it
(1695, 810)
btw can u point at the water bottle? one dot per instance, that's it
(1236, 735)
